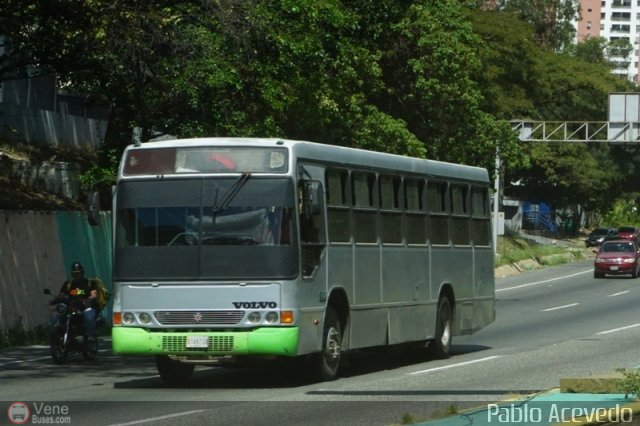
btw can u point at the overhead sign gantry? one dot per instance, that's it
(623, 126)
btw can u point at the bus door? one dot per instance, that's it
(312, 292)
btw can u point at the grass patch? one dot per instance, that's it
(512, 249)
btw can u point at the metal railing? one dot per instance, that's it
(540, 220)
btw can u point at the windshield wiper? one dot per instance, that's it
(231, 192)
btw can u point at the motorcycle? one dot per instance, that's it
(68, 335)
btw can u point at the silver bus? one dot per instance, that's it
(240, 247)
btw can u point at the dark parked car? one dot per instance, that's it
(617, 257)
(629, 233)
(598, 235)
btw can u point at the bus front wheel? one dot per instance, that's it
(174, 373)
(441, 345)
(328, 360)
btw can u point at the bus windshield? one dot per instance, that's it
(193, 229)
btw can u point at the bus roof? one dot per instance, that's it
(336, 155)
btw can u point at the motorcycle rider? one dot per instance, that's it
(81, 291)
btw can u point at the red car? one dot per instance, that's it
(629, 233)
(617, 257)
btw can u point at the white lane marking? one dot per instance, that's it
(545, 281)
(618, 294)
(454, 365)
(613, 330)
(155, 419)
(559, 307)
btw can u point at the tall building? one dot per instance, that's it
(613, 20)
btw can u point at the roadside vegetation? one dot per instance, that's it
(18, 335)
(623, 212)
(630, 384)
(512, 249)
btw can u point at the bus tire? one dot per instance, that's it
(328, 360)
(441, 344)
(174, 373)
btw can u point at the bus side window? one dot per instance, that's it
(480, 226)
(338, 208)
(311, 202)
(439, 212)
(311, 208)
(460, 214)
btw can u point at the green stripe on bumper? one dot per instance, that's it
(262, 341)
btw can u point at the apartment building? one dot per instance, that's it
(613, 20)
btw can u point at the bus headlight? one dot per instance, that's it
(272, 317)
(254, 317)
(145, 318)
(128, 318)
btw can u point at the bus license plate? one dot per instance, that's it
(197, 341)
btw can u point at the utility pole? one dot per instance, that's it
(496, 202)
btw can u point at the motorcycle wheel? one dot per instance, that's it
(89, 354)
(59, 351)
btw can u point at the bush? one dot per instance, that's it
(630, 385)
(17, 335)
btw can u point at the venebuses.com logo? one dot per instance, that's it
(20, 413)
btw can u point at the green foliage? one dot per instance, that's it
(514, 249)
(407, 419)
(592, 50)
(103, 174)
(624, 212)
(17, 335)
(522, 80)
(565, 175)
(551, 19)
(630, 384)
(434, 64)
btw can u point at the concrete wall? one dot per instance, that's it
(36, 250)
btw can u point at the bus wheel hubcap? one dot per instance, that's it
(333, 344)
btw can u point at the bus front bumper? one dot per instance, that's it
(262, 341)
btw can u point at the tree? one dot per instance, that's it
(592, 50)
(552, 20)
(520, 80)
(566, 175)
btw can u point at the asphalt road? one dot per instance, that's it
(551, 323)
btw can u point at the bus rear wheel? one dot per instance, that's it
(441, 344)
(174, 373)
(328, 360)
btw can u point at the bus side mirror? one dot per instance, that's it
(93, 208)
